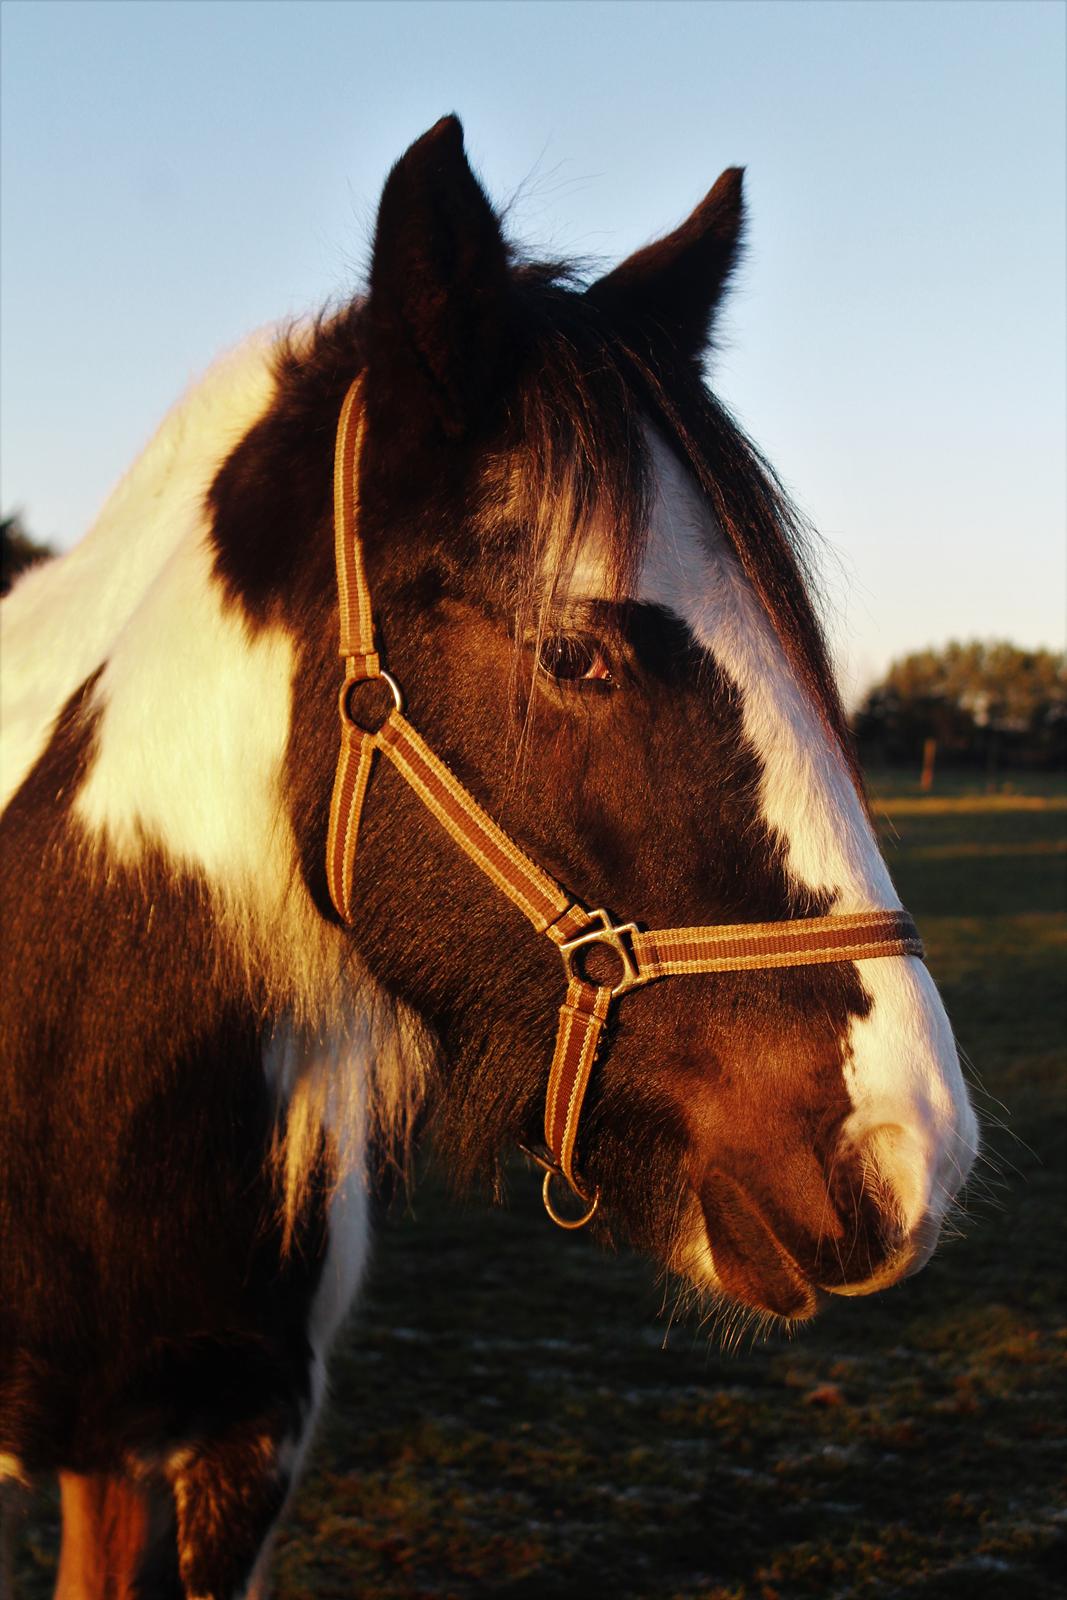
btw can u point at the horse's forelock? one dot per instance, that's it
(571, 467)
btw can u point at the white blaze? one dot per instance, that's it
(901, 1066)
(806, 794)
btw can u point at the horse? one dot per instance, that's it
(252, 949)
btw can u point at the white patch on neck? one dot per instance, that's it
(194, 710)
(65, 617)
(807, 796)
(189, 764)
(194, 715)
(194, 727)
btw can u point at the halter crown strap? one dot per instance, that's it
(353, 593)
(641, 956)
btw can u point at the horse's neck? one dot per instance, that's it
(191, 713)
(183, 798)
(66, 618)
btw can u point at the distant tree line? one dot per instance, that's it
(18, 550)
(986, 703)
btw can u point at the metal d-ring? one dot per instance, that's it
(552, 1170)
(353, 682)
(394, 688)
(567, 1222)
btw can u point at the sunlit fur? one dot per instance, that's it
(12, 1470)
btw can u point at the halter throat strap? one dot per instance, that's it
(640, 956)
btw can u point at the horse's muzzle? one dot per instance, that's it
(776, 1253)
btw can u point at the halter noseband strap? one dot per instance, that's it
(640, 956)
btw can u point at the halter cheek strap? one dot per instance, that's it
(639, 956)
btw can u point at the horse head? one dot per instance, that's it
(588, 583)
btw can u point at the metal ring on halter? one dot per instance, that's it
(566, 1222)
(354, 682)
(614, 938)
(395, 689)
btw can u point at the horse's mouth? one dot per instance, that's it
(753, 1265)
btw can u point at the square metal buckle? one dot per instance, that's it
(616, 937)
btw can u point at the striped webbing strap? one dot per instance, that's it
(640, 956)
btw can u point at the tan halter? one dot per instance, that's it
(641, 956)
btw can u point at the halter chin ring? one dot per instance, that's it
(560, 1220)
(351, 687)
(614, 937)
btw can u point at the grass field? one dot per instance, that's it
(512, 1418)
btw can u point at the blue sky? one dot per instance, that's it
(175, 174)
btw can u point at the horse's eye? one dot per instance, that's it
(574, 658)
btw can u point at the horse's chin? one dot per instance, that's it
(742, 1264)
(748, 1261)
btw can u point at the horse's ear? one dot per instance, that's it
(439, 279)
(674, 286)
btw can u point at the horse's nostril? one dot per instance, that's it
(883, 1178)
(895, 1168)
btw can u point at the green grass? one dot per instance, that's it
(957, 783)
(512, 1416)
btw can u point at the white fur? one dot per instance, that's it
(195, 720)
(911, 1112)
(912, 1115)
(194, 709)
(63, 618)
(323, 1087)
